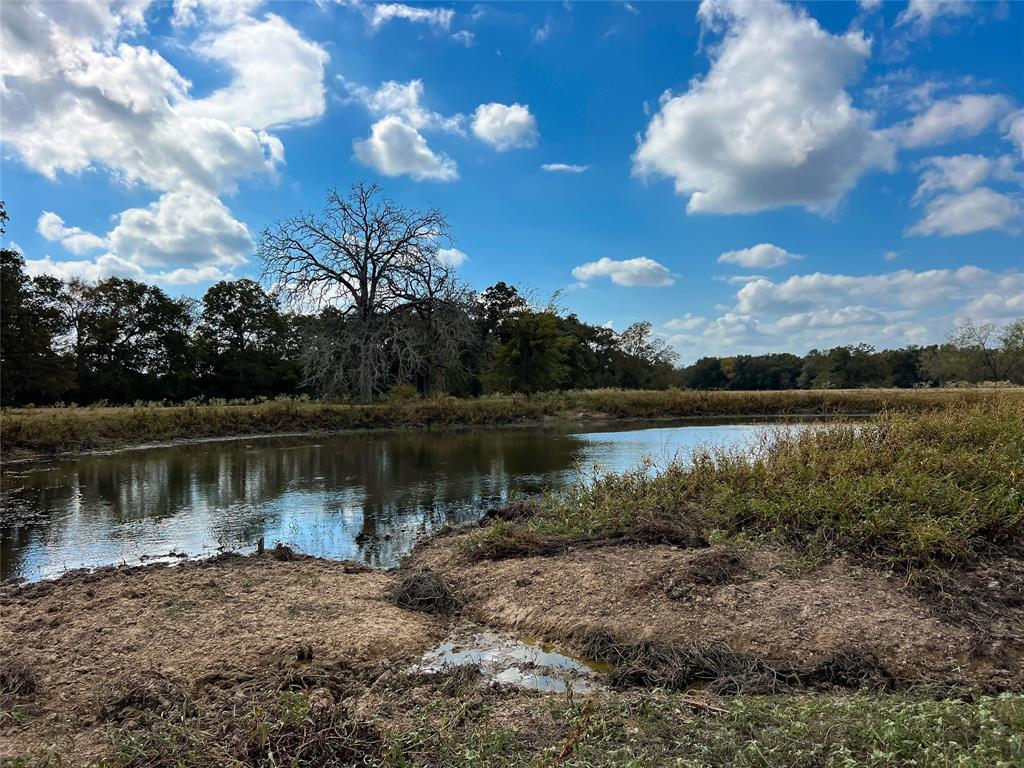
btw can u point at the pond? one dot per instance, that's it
(365, 496)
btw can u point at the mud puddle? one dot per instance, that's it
(520, 662)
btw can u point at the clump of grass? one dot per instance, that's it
(423, 590)
(17, 678)
(907, 490)
(721, 670)
(71, 429)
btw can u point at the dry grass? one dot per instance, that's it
(26, 431)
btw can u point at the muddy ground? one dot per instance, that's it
(213, 630)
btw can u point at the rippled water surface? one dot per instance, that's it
(363, 496)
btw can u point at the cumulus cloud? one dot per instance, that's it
(76, 94)
(823, 310)
(967, 207)
(732, 150)
(640, 271)
(452, 257)
(277, 75)
(185, 237)
(959, 117)
(75, 239)
(761, 256)
(405, 99)
(395, 148)
(505, 126)
(974, 211)
(564, 168)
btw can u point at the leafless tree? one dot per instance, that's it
(388, 305)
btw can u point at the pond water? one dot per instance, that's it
(365, 496)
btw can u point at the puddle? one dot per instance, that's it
(524, 663)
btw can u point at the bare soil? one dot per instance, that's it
(96, 649)
(193, 628)
(768, 603)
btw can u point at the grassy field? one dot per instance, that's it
(909, 490)
(47, 431)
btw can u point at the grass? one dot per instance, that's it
(658, 729)
(911, 490)
(76, 429)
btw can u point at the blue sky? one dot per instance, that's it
(748, 176)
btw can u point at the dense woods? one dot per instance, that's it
(364, 307)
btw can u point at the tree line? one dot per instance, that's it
(362, 305)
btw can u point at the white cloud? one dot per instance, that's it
(75, 239)
(180, 229)
(78, 95)
(564, 168)
(732, 148)
(959, 172)
(452, 257)
(186, 237)
(75, 97)
(958, 117)
(1014, 127)
(395, 148)
(542, 33)
(761, 256)
(640, 271)
(380, 14)
(687, 322)
(405, 99)
(891, 255)
(890, 309)
(921, 14)
(277, 75)
(464, 37)
(973, 211)
(903, 289)
(84, 269)
(505, 126)
(869, 6)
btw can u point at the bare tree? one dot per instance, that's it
(389, 306)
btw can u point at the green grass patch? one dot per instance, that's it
(909, 489)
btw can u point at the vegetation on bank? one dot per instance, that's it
(457, 728)
(61, 430)
(911, 490)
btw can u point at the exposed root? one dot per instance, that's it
(423, 590)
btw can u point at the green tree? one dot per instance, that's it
(243, 342)
(533, 356)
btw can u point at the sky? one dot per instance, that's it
(748, 176)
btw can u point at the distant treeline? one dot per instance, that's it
(388, 318)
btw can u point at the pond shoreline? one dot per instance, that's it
(43, 433)
(316, 627)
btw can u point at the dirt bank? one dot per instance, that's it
(765, 602)
(198, 626)
(202, 653)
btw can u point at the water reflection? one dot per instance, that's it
(357, 496)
